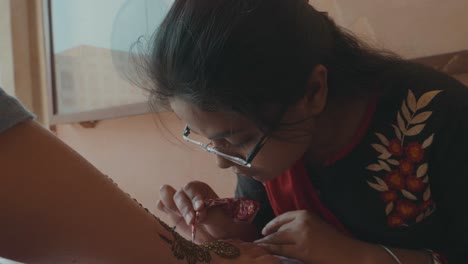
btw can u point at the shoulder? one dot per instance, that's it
(417, 139)
(426, 111)
(420, 79)
(415, 92)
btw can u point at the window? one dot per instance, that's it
(89, 46)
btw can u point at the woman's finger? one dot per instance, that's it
(160, 206)
(281, 237)
(197, 192)
(184, 205)
(279, 221)
(167, 193)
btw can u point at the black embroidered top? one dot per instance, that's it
(405, 184)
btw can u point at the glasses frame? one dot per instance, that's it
(247, 162)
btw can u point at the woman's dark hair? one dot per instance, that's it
(250, 55)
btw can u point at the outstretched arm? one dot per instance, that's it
(57, 208)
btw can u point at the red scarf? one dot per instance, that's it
(292, 191)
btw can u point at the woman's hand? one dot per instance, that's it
(182, 205)
(304, 236)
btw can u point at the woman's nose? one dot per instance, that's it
(223, 163)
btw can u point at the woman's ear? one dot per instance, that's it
(315, 98)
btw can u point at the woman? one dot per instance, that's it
(356, 155)
(57, 208)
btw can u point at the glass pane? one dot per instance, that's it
(92, 40)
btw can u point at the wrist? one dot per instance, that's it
(350, 251)
(365, 253)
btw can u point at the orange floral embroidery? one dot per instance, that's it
(389, 196)
(426, 205)
(395, 220)
(415, 184)
(402, 177)
(395, 148)
(406, 167)
(395, 180)
(406, 209)
(415, 152)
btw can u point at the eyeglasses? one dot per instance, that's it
(247, 162)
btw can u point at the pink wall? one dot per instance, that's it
(140, 155)
(411, 28)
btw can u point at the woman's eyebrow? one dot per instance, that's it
(224, 134)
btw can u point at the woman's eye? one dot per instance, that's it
(242, 143)
(219, 143)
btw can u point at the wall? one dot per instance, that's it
(141, 154)
(6, 54)
(412, 28)
(29, 56)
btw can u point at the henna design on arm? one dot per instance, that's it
(185, 249)
(193, 253)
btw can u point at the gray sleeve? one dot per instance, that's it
(12, 112)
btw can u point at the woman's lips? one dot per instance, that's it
(250, 175)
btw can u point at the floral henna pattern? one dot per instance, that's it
(402, 173)
(191, 252)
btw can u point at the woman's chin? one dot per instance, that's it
(258, 178)
(255, 177)
(262, 178)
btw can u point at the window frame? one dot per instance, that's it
(56, 118)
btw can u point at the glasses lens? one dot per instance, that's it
(216, 149)
(198, 138)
